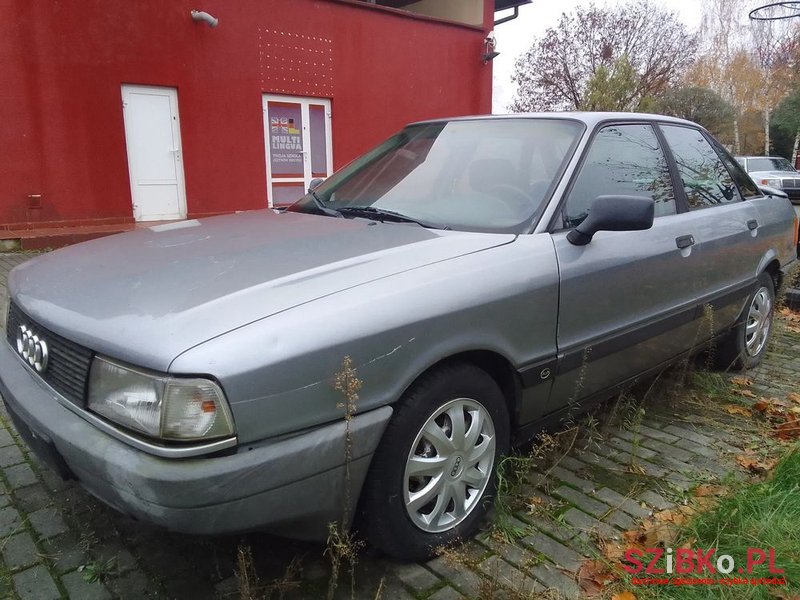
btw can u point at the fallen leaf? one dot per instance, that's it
(794, 397)
(594, 575)
(741, 381)
(613, 550)
(754, 465)
(670, 515)
(535, 501)
(707, 489)
(661, 531)
(702, 503)
(745, 393)
(789, 314)
(770, 406)
(632, 536)
(762, 405)
(735, 409)
(626, 595)
(790, 430)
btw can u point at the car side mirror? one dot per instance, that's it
(314, 183)
(614, 213)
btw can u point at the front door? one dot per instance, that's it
(297, 133)
(153, 140)
(628, 298)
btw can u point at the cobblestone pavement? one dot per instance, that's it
(56, 541)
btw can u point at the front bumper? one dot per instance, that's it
(294, 486)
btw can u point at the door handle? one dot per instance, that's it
(752, 224)
(684, 241)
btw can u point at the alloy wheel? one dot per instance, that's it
(449, 466)
(759, 322)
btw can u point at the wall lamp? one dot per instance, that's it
(199, 15)
(489, 48)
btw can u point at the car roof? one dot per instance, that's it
(589, 118)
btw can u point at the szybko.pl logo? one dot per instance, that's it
(703, 562)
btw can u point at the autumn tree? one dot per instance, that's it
(698, 104)
(611, 88)
(786, 120)
(774, 47)
(736, 80)
(603, 58)
(748, 63)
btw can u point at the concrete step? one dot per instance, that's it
(44, 238)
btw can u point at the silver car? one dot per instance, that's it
(481, 275)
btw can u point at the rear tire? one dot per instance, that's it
(746, 344)
(433, 473)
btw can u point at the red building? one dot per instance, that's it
(119, 111)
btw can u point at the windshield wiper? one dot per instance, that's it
(380, 214)
(331, 212)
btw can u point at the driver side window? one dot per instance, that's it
(623, 160)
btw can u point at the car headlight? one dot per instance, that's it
(776, 183)
(160, 406)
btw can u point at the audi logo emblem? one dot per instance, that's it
(32, 349)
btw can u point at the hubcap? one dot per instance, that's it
(449, 465)
(759, 321)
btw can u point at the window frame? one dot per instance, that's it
(713, 144)
(720, 150)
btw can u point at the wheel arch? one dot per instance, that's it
(497, 366)
(773, 268)
(771, 265)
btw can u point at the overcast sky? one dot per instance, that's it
(515, 37)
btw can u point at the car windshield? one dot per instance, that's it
(768, 163)
(489, 175)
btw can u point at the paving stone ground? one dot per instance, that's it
(636, 457)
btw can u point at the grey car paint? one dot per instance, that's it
(270, 304)
(148, 295)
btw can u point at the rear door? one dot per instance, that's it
(725, 227)
(627, 299)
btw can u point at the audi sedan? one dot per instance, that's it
(476, 276)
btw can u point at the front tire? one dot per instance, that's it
(747, 343)
(435, 467)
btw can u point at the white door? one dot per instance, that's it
(297, 135)
(153, 138)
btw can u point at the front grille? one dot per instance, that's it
(68, 367)
(790, 183)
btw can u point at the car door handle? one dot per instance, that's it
(752, 224)
(684, 241)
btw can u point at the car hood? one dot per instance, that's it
(148, 295)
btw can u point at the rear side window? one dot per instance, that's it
(705, 179)
(623, 160)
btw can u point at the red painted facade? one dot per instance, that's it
(64, 63)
